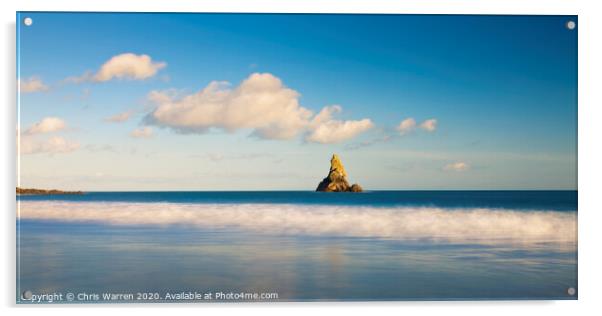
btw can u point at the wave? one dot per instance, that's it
(480, 225)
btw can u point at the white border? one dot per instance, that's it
(590, 102)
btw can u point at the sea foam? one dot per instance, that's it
(475, 225)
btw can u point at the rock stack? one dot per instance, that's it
(336, 181)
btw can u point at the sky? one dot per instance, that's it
(135, 102)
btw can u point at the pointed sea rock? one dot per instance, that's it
(336, 181)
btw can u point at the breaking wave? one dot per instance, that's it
(480, 225)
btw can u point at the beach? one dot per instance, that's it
(381, 245)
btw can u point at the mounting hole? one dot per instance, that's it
(571, 25)
(27, 21)
(27, 295)
(571, 291)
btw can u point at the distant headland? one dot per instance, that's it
(24, 191)
(336, 181)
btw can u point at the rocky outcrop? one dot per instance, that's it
(336, 181)
(23, 191)
(356, 188)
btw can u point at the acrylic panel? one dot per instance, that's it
(203, 157)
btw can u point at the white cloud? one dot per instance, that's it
(31, 144)
(32, 84)
(53, 145)
(164, 96)
(46, 125)
(429, 125)
(457, 166)
(124, 66)
(325, 130)
(325, 115)
(336, 131)
(119, 117)
(144, 132)
(409, 125)
(128, 66)
(260, 103)
(406, 126)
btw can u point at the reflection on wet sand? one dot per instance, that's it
(91, 257)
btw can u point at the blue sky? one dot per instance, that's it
(489, 102)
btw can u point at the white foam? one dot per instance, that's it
(458, 225)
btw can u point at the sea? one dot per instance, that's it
(192, 247)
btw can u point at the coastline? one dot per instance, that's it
(31, 191)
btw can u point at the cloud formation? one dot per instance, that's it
(429, 125)
(53, 145)
(456, 166)
(260, 103)
(409, 125)
(30, 142)
(31, 85)
(325, 130)
(126, 66)
(119, 117)
(406, 126)
(144, 132)
(46, 125)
